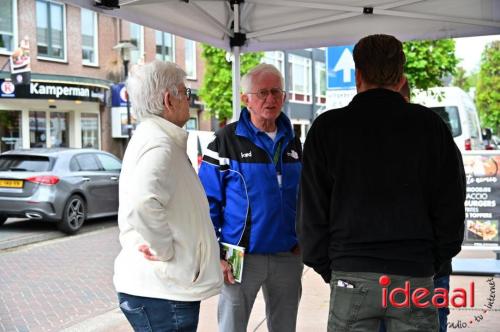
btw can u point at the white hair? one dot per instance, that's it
(147, 84)
(247, 79)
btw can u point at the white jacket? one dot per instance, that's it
(163, 204)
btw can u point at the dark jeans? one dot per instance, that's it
(443, 282)
(147, 314)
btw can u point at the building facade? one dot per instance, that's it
(73, 68)
(305, 84)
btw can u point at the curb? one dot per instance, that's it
(113, 320)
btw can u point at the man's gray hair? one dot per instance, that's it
(246, 80)
(147, 85)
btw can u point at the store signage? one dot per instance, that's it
(118, 95)
(48, 90)
(58, 90)
(482, 202)
(7, 89)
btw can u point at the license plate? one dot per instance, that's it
(11, 183)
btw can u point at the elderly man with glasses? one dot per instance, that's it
(251, 173)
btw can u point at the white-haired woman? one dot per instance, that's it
(169, 260)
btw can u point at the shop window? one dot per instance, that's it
(90, 130)
(320, 81)
(164, 46)
(89, 37)
(7, 25)
(59, 136)
(190, 59)
(38, 129)
(10, 130)
(50, 29)
(137, 38)
(300, 77)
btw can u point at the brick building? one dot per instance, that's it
(73, 67)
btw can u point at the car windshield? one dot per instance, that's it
(24, 163)
(450, 116)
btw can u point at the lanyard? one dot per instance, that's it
(277, 154)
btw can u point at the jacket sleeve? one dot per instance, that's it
(154, 182)
(447, 208)
(211, 175)
(313, 205)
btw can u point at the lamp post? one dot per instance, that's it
(125, 46)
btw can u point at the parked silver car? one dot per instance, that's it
(66, 186)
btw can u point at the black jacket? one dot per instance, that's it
(382, 189)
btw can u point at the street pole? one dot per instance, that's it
(129, 124)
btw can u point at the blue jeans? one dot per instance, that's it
(442, 282)
(147, 314)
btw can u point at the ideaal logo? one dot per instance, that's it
(7, 89)
(419, 297)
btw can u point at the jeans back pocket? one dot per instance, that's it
(137, 317)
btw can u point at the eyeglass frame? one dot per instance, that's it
(259, 95)
(187, 93)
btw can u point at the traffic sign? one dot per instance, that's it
(340, 68)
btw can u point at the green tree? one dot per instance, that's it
(464, 81)
(216, 90)
(488, 87)
(429, 61)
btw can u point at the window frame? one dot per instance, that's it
(275, 57)
(15, 32)
(192, 77)
(294, 59)
(64, 58)
(140, 46)
(318, 67)
(83, 115)
(95, 38)
(172, 40)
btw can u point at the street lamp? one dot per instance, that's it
(125, 46)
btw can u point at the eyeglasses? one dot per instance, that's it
(187, 93)
(263, 93)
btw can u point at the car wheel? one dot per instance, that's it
(3, 218)
(74, 214)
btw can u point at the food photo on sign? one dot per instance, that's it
(482, 213)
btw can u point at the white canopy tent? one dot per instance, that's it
(260, 25)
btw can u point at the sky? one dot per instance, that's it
(469, 50)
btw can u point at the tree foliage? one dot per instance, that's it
(429, 61)
(216, 90)
(464, 81)
(488, 87)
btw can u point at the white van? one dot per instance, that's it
(457, 109)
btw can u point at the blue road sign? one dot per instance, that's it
(340, 68)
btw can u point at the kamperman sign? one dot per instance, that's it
(42, 90)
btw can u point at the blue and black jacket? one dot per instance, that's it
(248, 206)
